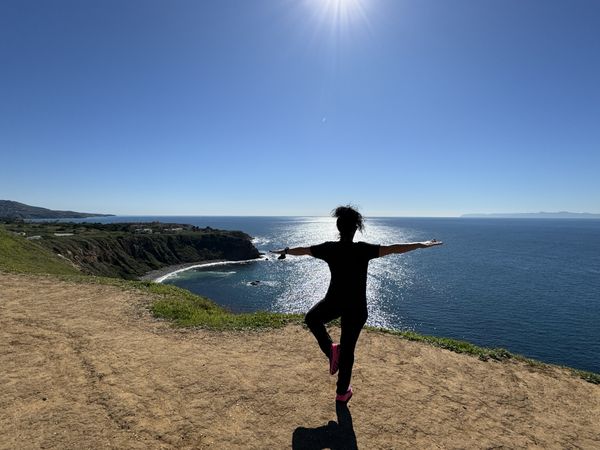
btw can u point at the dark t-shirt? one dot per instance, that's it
(348, 263)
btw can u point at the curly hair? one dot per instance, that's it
(348, 221)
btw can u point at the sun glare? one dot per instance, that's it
(339, 13)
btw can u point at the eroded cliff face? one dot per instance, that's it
(132, 255)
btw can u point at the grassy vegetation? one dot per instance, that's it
(185, 309)
(454, 345)
(189, 310)
(17, 254)
(590, 377)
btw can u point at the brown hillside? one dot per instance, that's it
(85, 366)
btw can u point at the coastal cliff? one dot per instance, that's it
(133, 249)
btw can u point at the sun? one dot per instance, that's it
(339, 13)
(342, 5)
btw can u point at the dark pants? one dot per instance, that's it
(353, 317)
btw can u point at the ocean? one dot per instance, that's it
(531, 286)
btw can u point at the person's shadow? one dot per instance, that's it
(334, 436)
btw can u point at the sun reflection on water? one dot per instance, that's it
(305, 279)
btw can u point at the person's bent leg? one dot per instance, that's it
(351, 327)
(316, 318)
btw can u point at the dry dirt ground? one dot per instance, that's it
(86, 366)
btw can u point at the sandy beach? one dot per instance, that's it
(86, 366)
(160, 274)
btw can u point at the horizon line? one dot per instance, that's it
(541, 214)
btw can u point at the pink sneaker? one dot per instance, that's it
(344, 397)
(334, 361)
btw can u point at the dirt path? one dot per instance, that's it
(85, 366)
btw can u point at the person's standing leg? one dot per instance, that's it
(352, 323)
(316, 318)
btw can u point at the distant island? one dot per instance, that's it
(538, 215)
(14, 210)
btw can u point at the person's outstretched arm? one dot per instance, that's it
(385, 250)
(296, 251)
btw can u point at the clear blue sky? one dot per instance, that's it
(290, 107)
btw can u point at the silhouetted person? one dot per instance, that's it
(346, 297)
